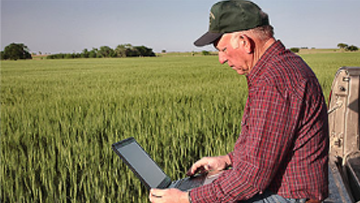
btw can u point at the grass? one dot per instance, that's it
(60, 117)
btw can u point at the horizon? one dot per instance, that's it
(311, 50)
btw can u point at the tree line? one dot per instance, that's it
(20, 51)
(123, 50)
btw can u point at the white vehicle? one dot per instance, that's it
(343, 111)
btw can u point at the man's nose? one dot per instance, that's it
(222, 58)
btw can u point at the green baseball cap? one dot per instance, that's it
(232, 16)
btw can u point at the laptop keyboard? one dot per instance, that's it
(189, 183)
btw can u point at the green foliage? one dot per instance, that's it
(144, 51)
(121, 50)
(347, 47)
(205, 53)
(342, 45)
(2, 55)
(59, 119)
(64, 56)
(106, 52)
(85, 54)
(295, 49)
(16, 51)
(93, 53)
(352, 48)
(124, 50)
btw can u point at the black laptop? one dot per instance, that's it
(149, 173)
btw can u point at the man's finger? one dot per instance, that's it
(199, 166)
(190, 171)
(156, 192)
(193, 170)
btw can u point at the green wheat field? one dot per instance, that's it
(60, 117)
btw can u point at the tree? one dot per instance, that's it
(342, 45)
(16, 51)
(144, 51)
(352, 48)
(93, 53)
(205, 53)
(85, 53)
(131, 51)
(295, 49)
(3, 55)
(106, 51)
(120, 51)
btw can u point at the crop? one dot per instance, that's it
(60, 117)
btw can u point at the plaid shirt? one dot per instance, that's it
(283, 145)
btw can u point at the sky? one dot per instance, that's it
(70, 26)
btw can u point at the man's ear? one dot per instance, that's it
(247, 43)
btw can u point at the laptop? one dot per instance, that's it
(149, 173)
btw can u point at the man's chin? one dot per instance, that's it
(241, 72)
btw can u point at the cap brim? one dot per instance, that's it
(207, 38)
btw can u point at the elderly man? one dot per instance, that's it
(281, 154)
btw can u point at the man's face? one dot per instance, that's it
(237, 58)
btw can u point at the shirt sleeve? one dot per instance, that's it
(265, 139)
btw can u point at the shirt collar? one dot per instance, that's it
(258, 69)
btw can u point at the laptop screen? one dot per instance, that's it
(141, 163)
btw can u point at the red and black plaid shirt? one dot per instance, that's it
(283, 145)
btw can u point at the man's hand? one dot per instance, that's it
(206, 164)
(168, 196)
